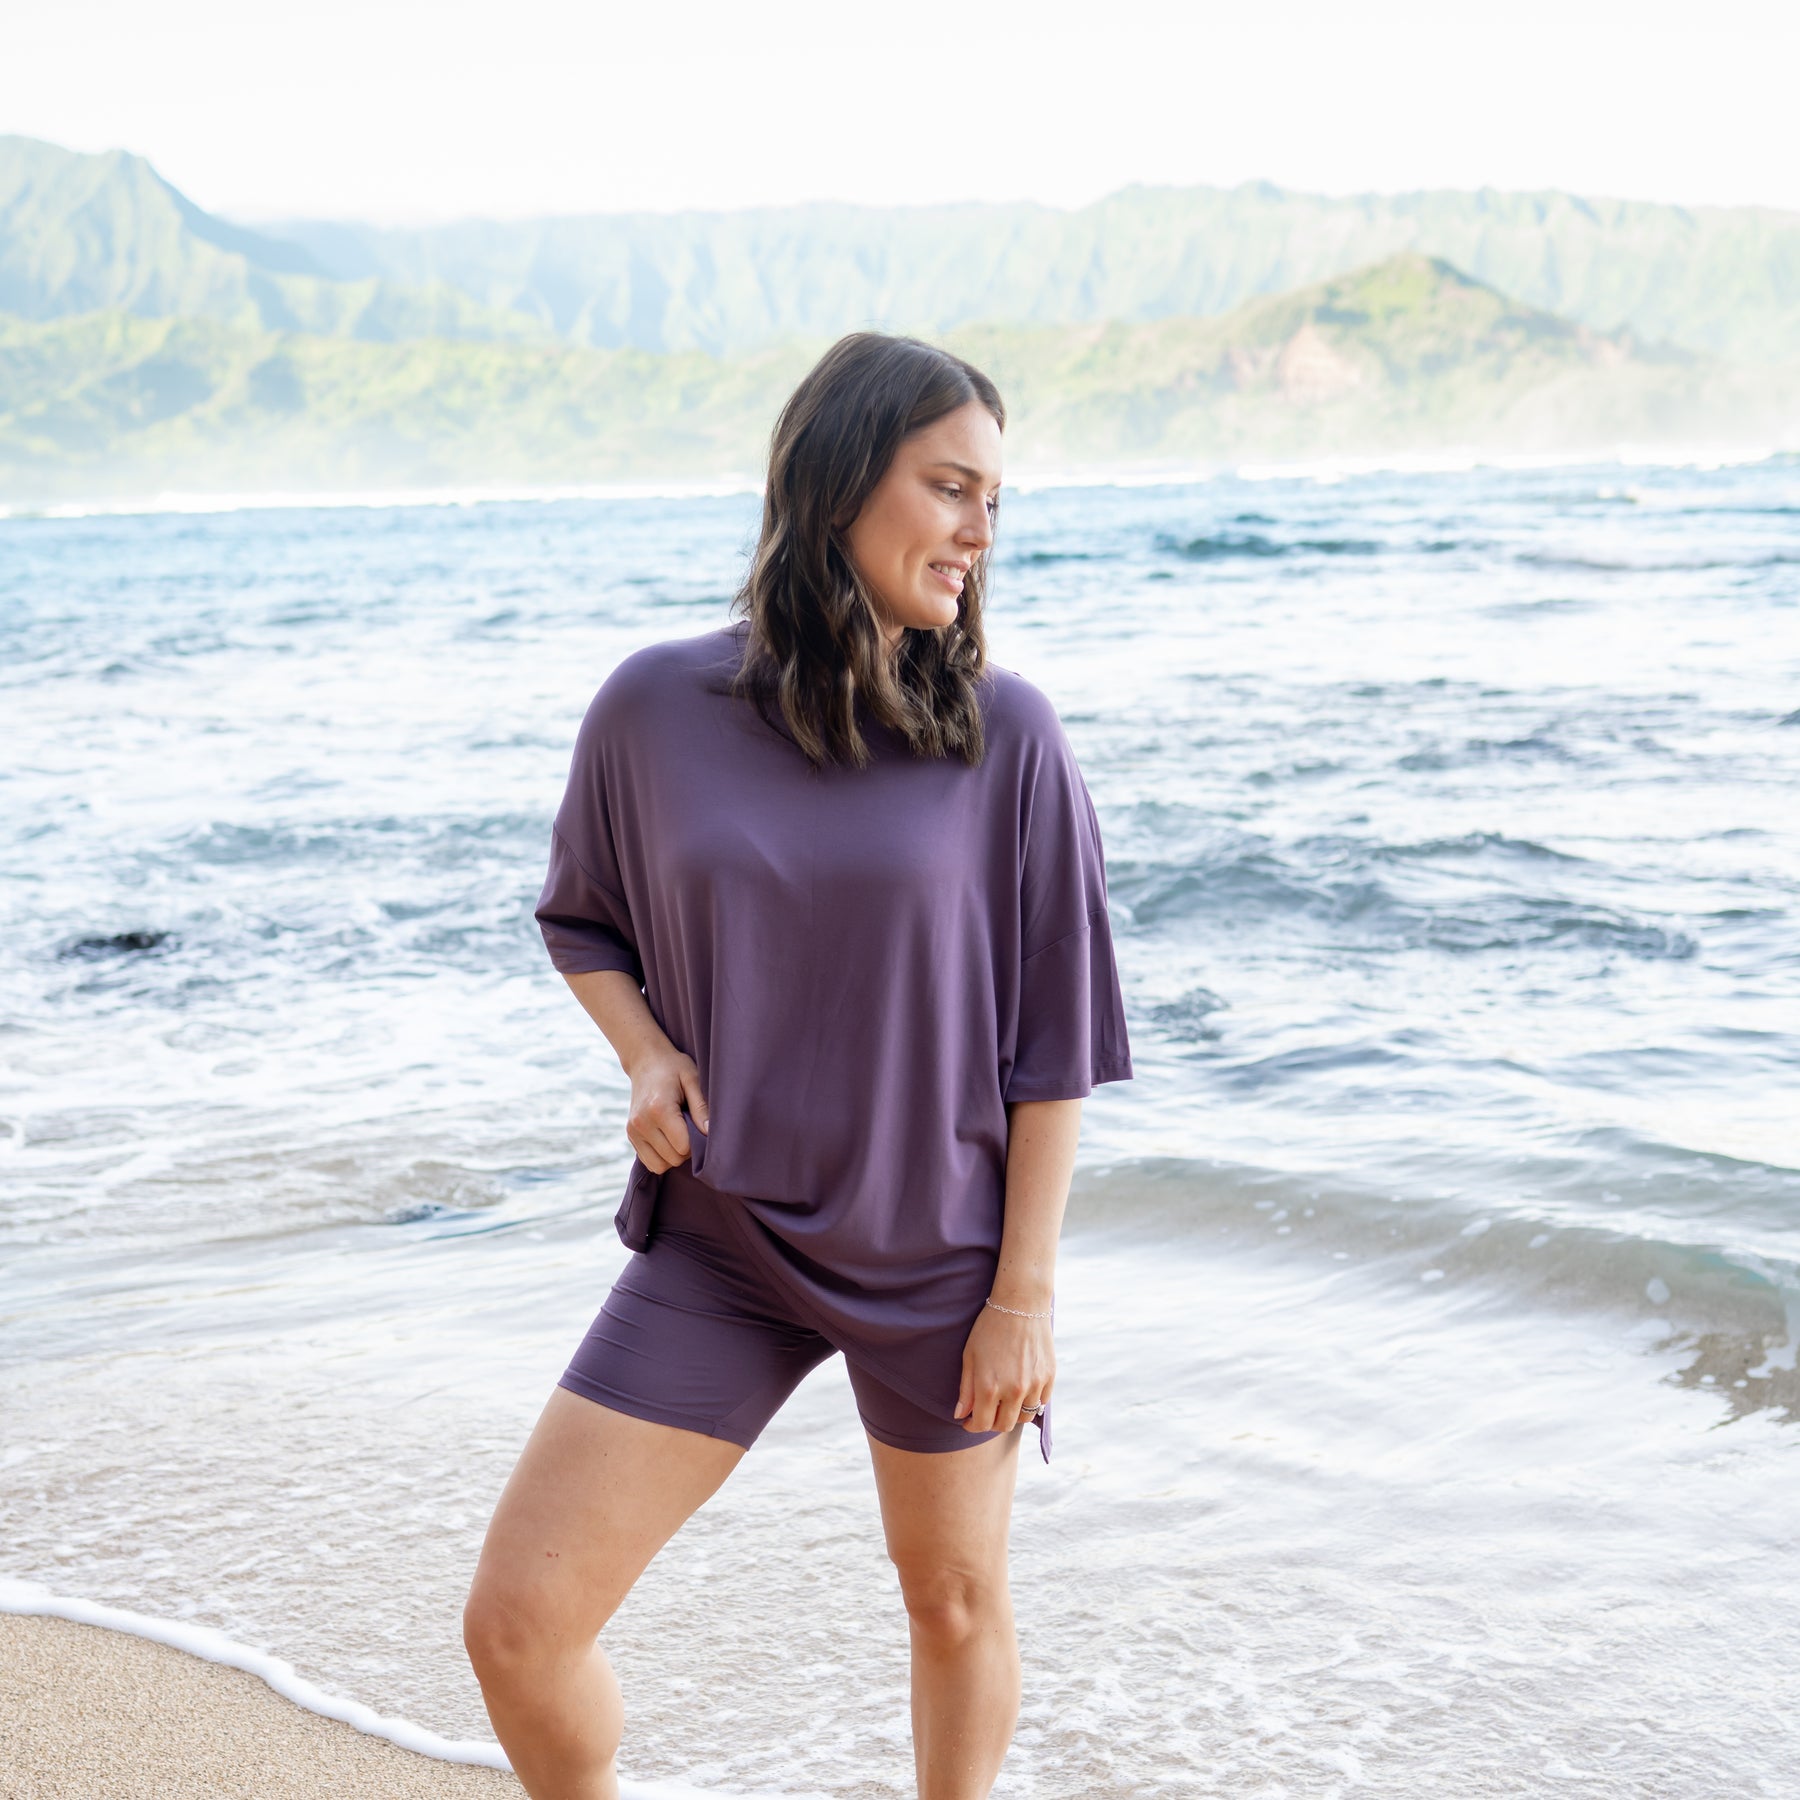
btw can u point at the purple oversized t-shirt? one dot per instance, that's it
(866, 965)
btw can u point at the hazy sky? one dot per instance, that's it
(391, 110)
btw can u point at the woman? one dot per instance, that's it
(833, 889)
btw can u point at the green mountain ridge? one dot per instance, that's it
(1725, 280)
(1409, 354)
(80, 233)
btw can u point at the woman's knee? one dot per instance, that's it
(951, 1604)
(498, 1630)
(512, 1629)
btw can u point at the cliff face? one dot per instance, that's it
(1307, 370)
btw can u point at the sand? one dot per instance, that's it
(91, 1714)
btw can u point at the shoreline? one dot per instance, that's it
(201, 1643)
(97, 1703)
(114, 1705)
(1453, 461)
(94, 1712)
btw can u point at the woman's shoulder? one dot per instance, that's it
(657, 674)
(678, 657)
(1019, 711)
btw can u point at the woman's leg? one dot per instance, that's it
(946, 1515)
(679, 1373)
(595, 1495)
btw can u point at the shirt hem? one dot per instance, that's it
(591, 963)
(574, 952)
(1068, 1089)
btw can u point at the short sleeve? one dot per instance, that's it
(582, 910)
(1071, 1033)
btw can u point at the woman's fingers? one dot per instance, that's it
(1008, 1369)
(656, 1125)
(694, 1099)
(998, 1407)
(662, 1146)
(656, 1144)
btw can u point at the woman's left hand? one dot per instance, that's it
(1008, 1369)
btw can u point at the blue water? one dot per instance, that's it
(1429, 1308)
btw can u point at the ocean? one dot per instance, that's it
(1427, 1411)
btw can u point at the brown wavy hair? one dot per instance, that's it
(815, 647)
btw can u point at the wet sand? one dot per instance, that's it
(91, 1714)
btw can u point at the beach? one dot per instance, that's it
(90, 1714)
(1427, 1314)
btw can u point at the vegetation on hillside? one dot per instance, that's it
(1409, 354)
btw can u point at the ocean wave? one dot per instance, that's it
(379, 499)
(1338, 882)
(248, 904)
(1326, 471)
(1468, 843)
(1729, 1314)
(1533, 747)
(1188, 1017)
(1681, 565)
(1331, 470)
(445, 841)
(1222, 545)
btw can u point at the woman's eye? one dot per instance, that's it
(955, 493)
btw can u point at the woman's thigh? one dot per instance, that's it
(689, 1337)
(689, 1358)
(595, 1494)
(946, 1515)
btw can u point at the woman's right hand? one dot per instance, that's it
(663, 1079)
(662, 1082)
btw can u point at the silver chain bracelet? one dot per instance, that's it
(995, 1304)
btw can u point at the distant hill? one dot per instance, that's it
(1409, 354)
(1725, 280)
(83, 233)
(107, 403)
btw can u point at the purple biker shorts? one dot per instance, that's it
(693, 1336)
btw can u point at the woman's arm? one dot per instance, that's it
(662, 1077)
(1009, 1362)
(1040, 1162)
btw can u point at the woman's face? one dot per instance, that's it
(928, 519)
